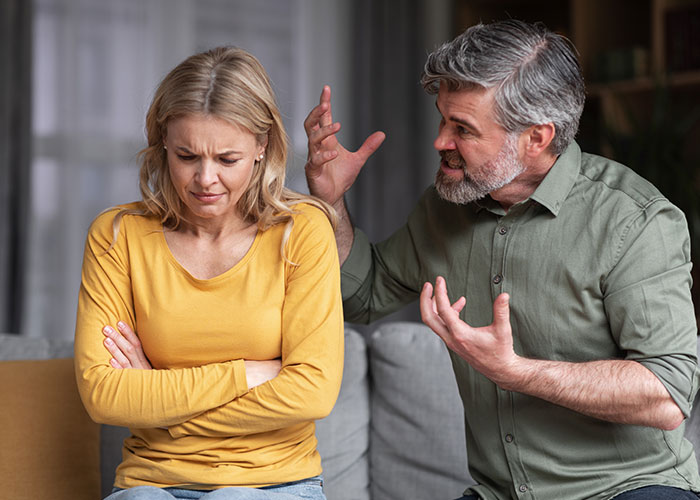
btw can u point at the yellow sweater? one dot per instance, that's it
(194, 422)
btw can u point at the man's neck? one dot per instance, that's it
(522, 187)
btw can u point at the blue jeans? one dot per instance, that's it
(657, 493)
(306, 489)
(646, 493)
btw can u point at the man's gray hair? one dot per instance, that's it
(536, 74)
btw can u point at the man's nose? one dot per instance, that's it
(444, 140)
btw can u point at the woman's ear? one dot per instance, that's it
(262, 145)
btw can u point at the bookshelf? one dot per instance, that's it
(626, 47)
(641, 64)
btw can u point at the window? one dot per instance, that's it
(96, 65)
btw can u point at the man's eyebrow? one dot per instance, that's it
(461, 121)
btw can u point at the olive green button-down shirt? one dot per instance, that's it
(597, 265)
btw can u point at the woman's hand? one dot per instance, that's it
(259, 372)
(125, 348)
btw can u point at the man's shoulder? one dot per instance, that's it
(612, 180)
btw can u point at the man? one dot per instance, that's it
(575, 349)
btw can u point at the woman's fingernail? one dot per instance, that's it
(121, 324)
(107, 330)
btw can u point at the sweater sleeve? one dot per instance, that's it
(130, 397)
(312, 344)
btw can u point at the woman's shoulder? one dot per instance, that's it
(126, 217)
(306, 215)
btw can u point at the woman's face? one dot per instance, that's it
(210, 162)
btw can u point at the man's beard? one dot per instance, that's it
(485, 178)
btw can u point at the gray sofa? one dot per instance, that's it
(396, 432)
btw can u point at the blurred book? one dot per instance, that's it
(682, 38)
(626, 63)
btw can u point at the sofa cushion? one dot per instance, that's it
(417, 441)
(50, 447)
(343, 436)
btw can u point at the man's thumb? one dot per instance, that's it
(371, 144)
(501, 309)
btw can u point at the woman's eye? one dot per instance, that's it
(186, 157)
(228, 161)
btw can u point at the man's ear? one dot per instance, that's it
(538, 138)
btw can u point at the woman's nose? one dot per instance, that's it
(206, 173)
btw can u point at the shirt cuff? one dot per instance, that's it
(679, 374)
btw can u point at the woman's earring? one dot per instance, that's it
(165, 147)
(260, 158)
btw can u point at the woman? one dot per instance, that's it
(227, 285)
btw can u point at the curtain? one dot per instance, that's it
(392, 42)
(15, 145)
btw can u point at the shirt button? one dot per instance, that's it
(522, 488)
(509, 438)
(502, 230)
(497, 279)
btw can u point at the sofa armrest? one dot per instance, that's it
(50, 445)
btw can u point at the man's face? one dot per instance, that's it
(478, 156)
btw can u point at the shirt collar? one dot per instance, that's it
(553, 189)
(557, 184)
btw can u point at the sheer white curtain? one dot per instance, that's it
(96, 64)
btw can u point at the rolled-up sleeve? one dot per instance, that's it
(648, 299)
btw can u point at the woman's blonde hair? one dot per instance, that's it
(232, 85)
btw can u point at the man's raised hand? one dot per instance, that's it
(330, 168)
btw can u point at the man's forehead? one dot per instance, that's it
(474, 103)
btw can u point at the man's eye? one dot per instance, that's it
(186, 157)
(461, 130)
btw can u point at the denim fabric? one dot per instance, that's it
(657, 493)
(646, 493)
(307, 489)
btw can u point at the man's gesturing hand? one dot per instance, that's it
(488, 349)
(331, 169)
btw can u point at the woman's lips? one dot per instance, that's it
(207, 197)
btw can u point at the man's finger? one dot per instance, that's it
(459, 304)
(442, 300)
(427, 311)
(370, 145)
(311, 122)
(321, 134)
(327, 117)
